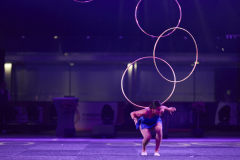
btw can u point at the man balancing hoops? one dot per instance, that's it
(149, 118)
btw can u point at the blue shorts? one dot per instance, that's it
(148, 122)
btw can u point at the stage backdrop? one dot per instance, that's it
(88, 114)
(226, 114)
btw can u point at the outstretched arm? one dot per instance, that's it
(170, 109)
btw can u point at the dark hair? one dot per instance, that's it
(155, 104)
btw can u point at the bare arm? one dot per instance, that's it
(170, 109)
(136, 114)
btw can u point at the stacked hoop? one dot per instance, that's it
(154, 57)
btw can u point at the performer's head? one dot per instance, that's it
(155, 106)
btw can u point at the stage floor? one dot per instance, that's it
(118, 149)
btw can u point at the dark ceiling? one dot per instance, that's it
(116, 17)
(206, 20)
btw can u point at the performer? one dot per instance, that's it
(149, 118)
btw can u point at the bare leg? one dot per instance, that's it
(158, 129)
(146, 138)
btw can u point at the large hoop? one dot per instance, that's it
(180, 10)
(135, 62)
(154, 49)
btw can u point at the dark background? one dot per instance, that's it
(108, 17)
(108, 28)
(106, 20)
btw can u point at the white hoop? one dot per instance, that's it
(195, 60)
(135, 62)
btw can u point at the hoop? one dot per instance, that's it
(180, 10)
(135, 62)
(195, 60)
(83, 1)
